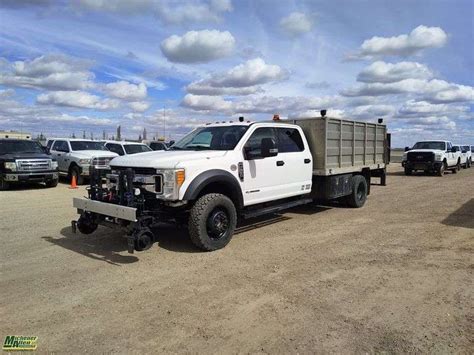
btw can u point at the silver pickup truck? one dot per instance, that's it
(76, 156)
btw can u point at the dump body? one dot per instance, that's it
(343, 146)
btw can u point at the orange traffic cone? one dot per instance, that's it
(73, 182)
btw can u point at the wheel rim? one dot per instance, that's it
(217, 223)
(360, 192)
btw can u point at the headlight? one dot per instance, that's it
(10, 166)
(438, 157)
(173, 179)
(84, 161)
(54, 165)
(404, 156)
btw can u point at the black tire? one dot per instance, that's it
(52, 183)
(86, 224)
(212, 222)
(408, 171)
(4, 185)
(441, 169)
(359, 192)
(144, 239)
(469, 163)
(76, 171)
(457, 168)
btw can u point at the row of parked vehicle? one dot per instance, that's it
(437, 157)
(25, 161)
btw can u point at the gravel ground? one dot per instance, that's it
(394, 276)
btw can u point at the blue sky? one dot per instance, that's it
(94, 64)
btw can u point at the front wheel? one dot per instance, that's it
(212, 222)
(457, 168)
(469, 163)
(75, 171)
(408, 171)
(52, 183)
(4, 185)
(359, 192)
(441, 169)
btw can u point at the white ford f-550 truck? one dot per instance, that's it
(220, 173)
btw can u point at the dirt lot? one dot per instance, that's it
(395, 276)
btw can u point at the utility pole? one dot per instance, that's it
(164, 123)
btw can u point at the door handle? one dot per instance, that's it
(59, 155)
(307, 161)
(280, 163)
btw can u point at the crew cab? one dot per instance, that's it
(76, 156)
(221, 173)
(434, 156)
(25, 161)
(466, 155)
(127, 148)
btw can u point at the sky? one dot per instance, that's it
(168, 66)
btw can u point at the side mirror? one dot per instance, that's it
(268, 148)
(407, 149)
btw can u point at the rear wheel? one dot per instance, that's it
(212, 222)
(76, 171)
(359, 192)
(4, 185)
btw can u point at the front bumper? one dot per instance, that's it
(30, 177)
(105, 209)
(430, 165)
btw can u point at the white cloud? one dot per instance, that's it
(417, 40)
(198, 46)
(139, 106)
(283, 105)
(297, 23)
(413, 108)
(436, 91)
(381, 72)
(206, 103)
(53, 72)
(79, 99)
(372, 111)
(187, 12)
(240, 80)
(126, 91)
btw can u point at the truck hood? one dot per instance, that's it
(94, 153)
(13, 156)
(164, 159)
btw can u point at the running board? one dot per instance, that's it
(274, 209)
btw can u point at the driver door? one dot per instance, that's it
(60, 151)
(265, 179)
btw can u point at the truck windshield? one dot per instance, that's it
(430, 145)
(25, 146)
(136, 148)
(87, 145)
(211, 138)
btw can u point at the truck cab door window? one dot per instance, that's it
(115, 148)
(289, 140)
(253, 147)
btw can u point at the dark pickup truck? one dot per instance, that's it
(27, 162)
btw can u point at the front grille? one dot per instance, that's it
(137, 171)
(102, 161)
(420, 157)
(33, 164)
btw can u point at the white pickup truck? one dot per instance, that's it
(75, 157)
(222, 172)
(466, 156)
(432, 157)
